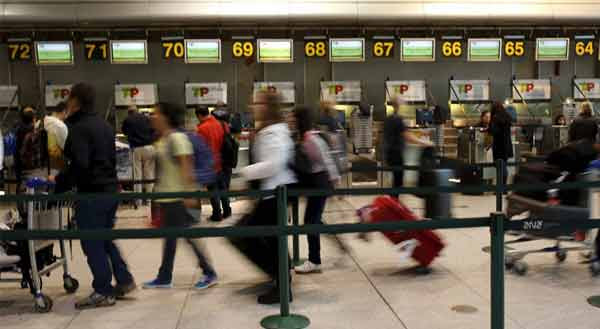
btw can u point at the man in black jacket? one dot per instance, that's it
(91, 157)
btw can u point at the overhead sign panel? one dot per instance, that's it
(275, 50)
(56, 94)
(410, 91)
(485, 50)
(469, 90)
(128, 52)
(54, 52)
(532, 90)
(203, 51)
(286, 89)
(136, 94)
(586, 89)
(341, 91)
(347, 50)
(552, 49)
(210, 93)
(9, 96)
(419, 50)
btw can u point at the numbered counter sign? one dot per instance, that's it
(243, 49)
(315, 49)
(19, 51)
(96, 50)
(173, 48)
(452, 48)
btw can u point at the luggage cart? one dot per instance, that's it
(52, 219)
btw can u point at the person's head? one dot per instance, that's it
(202, 113)
(132, 109)
(560, 120)
(167, 116)
(499, 114)
(397, 102)
(222, 114)
(81, 98)
(28, 115)
(304, 119)
(327, 107)
(586, 110)
(485, 118)
(60, 111)
(267, 108)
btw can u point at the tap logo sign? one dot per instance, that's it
(587, 86)
(526, 87)
(130, 92)
(401, 89)
(269, 89)
(466, 88)
(336, 89)
(61, 93)
(200, 91)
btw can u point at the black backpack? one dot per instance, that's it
(229, 150)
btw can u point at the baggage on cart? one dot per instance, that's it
(424, 246)
(36, 258)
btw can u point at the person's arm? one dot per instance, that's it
(61, 135)
(78, 152)
(125, 127)
(267, 151)
(413, 139)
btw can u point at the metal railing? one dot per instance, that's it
(497, 222)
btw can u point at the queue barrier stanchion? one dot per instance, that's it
(497, 269)
(296, 261)
(284, 320)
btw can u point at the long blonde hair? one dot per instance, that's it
(272, 114)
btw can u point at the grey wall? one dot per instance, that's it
(306, 72)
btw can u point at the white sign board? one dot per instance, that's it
(530, 89)
(9, 96)
(469, 90)
(206, 93)
(136, 94)
(586, 89)
(286, 89)
(407, 91)
(341, 91)
(56, 94)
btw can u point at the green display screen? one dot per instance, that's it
(485, 50)
(346, 50)
(275, 50)
(54, 53)
(418, 50)
(552, 49)
(128, 52)
(203, 51)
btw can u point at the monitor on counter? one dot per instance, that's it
(128, 51)
(347, 50)
(552, 49)
(485, 50)
(54, 53)
(275, 50)
(418, 50)
(203, 51)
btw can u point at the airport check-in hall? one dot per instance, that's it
(318, 164)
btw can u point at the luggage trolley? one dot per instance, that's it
(46, 215)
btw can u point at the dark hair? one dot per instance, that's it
(558, 117)
(202, 110)
(173, 112)
(85, 95)
(305, 119)
(483, 113)
(222, 114)
(60, 107)
(499, 115)
(28, 117)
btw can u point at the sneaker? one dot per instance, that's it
(121, 290)
(207, 282)
(155, 284)
(95, 300)
(308, 267)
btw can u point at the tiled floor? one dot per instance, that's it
(370, 289)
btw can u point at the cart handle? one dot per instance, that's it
(36, 182)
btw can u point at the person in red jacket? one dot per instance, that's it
(213, 132)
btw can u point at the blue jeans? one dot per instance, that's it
(222, 184)
(315, 205)
(103, 256)
(176, 215)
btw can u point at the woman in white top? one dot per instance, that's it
(272, 152)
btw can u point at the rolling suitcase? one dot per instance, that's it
(388, 209)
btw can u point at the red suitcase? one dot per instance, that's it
(387, 209)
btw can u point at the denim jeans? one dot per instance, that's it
(174, 214)
(222, 184)
(103, 256)
(315, 206)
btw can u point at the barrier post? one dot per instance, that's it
(284, 320)
(500, 172)
(497, 269)
(296, 261)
